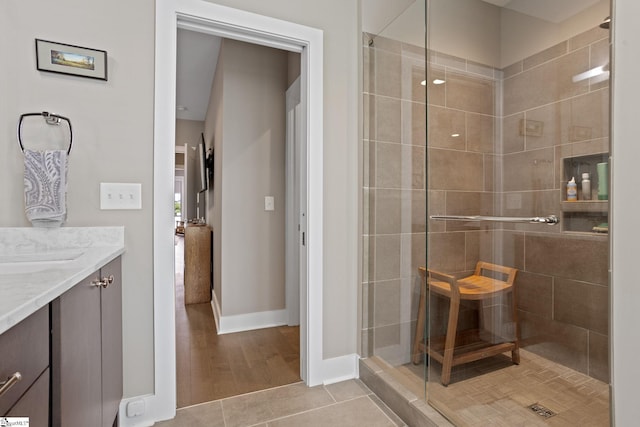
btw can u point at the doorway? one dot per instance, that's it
(223, 21)
(241, 100)
(179, 198)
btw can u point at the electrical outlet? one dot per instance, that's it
(120, 196)
(135, 408)
(269, 203)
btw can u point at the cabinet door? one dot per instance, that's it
(111, 308)
(76, 357)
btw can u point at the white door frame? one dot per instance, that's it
(240, 25)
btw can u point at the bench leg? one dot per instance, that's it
(450, 340)
(515, 353)
(419, 335)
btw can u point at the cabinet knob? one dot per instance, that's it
(104, 282)
(10, 382)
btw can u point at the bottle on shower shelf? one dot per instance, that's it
(572, 190)
(603, 179)
(586, 187)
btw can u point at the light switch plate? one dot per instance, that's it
(115, 195)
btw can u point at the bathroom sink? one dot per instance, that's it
(37, 261)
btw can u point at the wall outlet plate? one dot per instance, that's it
(135, 408)
(269, 203)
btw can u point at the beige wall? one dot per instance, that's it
(113, 130)
(213, 132)
(251, 240)
(113, 124)
(482, 32)
(523, 36)
(339, 19)
(466, 29)
(188, 132)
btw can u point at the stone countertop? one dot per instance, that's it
(37, 265)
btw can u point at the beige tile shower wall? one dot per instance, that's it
(563, 294)
(394, 195)
(464, 166)
(490, 167)
(463, 158)
(464, 171)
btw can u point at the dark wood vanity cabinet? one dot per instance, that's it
(111, 326)
(24, 363)
(86, 356)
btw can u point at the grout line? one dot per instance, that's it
(377, 405)
(329, 393)
(224, 419)
(314, 409)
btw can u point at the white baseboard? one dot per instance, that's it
(340, 368)
(247, 322)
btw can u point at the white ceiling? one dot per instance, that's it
(197, 56)
(554, 11)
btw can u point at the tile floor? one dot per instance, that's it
(494, 392)
(345, 404)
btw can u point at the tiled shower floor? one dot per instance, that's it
(494, 392)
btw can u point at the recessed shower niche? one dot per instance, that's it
(590, 212)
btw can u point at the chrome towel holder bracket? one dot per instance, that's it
(50, 119)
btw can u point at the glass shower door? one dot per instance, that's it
(517, 260)
(394, 187)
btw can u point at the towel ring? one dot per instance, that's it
(51, 119)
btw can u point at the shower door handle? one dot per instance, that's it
(550, 220)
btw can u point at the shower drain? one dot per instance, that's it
(541, 410)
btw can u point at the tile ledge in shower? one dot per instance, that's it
(413, 410)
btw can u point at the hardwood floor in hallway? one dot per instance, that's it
(212, 366)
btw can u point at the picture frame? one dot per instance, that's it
(72, 60)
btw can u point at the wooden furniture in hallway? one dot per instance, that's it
(197, 264)
(457, 348)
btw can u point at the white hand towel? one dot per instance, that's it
(45, 187)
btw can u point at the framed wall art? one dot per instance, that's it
(69, 59)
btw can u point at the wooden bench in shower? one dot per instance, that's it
(456, 348)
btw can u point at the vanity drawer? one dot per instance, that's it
(25, 349)
(34, 403)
